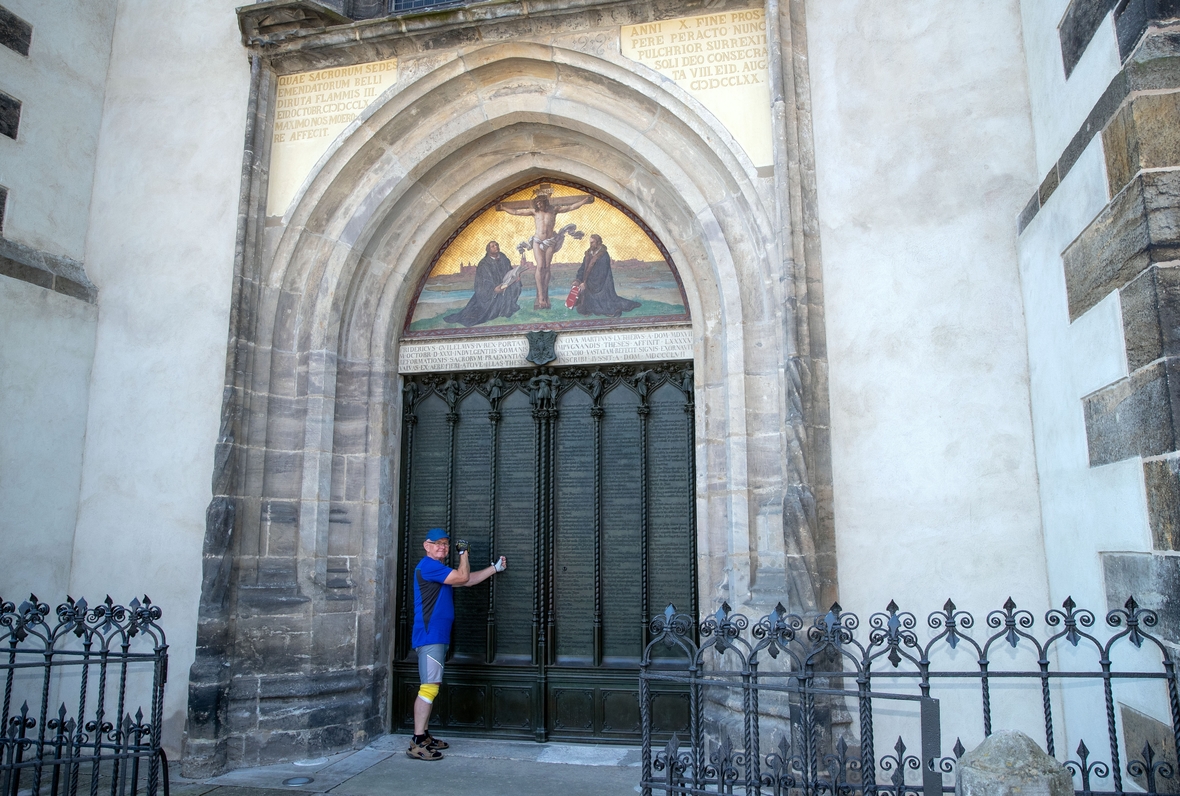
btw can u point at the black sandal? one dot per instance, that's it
(421, 751)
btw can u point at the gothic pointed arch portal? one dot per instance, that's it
(302, 557)
(581, 475)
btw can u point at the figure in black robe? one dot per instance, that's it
(490, 299)
(597, 295)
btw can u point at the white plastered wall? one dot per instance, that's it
(46, 338)
(161, 250)
(924, 157)
(49, 168)
(46, 347)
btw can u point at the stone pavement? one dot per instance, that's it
(470, 766)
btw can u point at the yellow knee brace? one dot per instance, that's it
(428, 691)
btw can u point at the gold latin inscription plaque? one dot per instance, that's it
(311, 109)
(721, 60)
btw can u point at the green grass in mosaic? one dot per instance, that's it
(632, 283)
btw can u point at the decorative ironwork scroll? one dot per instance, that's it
(809, 661)
(110, 654)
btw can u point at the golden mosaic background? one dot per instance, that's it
(622, 236)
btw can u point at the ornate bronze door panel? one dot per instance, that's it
(583, 478)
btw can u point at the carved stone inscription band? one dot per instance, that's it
(646, 345)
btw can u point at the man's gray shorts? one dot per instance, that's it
(430, 662)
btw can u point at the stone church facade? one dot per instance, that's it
(927, 281)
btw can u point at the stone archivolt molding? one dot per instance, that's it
(366, 225)
(303, 536)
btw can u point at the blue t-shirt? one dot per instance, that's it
(434, 606)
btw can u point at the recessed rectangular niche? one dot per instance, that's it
(3, 205)
(9, 115)
(15, 33)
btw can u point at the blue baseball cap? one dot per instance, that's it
(436, 535)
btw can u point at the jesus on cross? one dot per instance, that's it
(547, 240)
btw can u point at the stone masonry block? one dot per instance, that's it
(206, 710)
(311, 713)
(1048, 185)
(1009, 763)
(25, 273)
(1135, 416)
(45, 270)
(251, 462)
(71, 289)
(1081, 20)
(281, 533)
(215, 561)
(1153, 580)
(352, 386)
(339, 476)
(282, 686)
(328, 712)
(333, 640)
(1139, 227)
(350, 432)
(1029, 212)
(286, 423)
(241, 716)
(276, 572)
(282, 380)
(284, 474)
(357, 479)
(1144, 134)
(269, 602)
(272, 644)
(1161, 477)
(1133, 17)
(203, 758)
(820, 412)
(244, 688)
(344, 528)
(334, 738)
(366, 640)
(268, 747)
(286, 320)
(213, 639)
(1151, 316)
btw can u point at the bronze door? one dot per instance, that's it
(583, 478)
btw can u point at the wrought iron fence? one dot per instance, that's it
(820, 668)
(94, 744)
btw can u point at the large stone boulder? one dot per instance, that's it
(1009, 763)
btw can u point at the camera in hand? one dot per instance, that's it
(461, 545)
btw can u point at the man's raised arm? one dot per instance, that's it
(462, 575)
(485, 573)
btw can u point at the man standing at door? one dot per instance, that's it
(434, 613)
